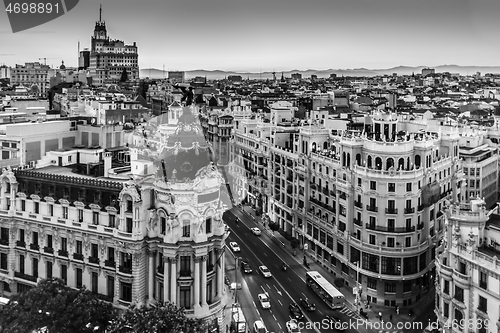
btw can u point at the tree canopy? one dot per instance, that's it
(58, 308)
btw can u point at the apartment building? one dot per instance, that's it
(32, 75)
(467, 279)
(124, 237)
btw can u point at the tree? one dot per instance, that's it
(274, 226)
(294, 243)
(124, 77)
(156, 318)
(59, 308)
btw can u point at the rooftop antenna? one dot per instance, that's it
(100, 13)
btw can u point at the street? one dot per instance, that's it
(283, 287)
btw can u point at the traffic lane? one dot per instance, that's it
(291, 277)
(243, 298)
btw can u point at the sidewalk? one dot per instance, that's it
(374, 309)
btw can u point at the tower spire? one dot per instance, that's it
(100, 13)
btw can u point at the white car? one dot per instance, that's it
(265, 271)
(234, 246)
(292, 326)
(256, 231)
(264, 301)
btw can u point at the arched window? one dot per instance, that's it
(378, 163)
(358, 159)
(408, 163)
(417, 161)
(348, 163)
(401, 164)
(325, 145)
(314, 147)
(389, 163)
(343, 159)
(369, 163)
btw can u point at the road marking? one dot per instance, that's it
(263, 289)
(268, 286)
(255, 306)
(279, 325)
(304, 295)
(277, 290)
(264, 254)
(289, 280)
(321, 313)
(273, 317)
(280, 302)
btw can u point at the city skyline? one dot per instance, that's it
(271, 35)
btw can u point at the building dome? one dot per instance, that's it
(186, 150)
(62, 65)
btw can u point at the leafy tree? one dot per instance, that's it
(166, 318)
(57, 307)
(274, 226)
(294, 243)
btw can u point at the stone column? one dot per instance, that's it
(151, 276)
(166, 276)
(203, 289)
(173, 280)
(197, 281)
(218, 272)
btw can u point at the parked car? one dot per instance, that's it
(307, 305)
(234, 247)
(292, 326)
(264, 301)
(256, 231)
(295, 311)
(265, 271)
(245, 266)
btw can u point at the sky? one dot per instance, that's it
(266, 35)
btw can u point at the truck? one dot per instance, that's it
(238, 321)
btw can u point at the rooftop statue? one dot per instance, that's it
(187, 94)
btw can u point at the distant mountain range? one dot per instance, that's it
(360, 72)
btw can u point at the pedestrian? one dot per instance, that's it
(380, 316)
(390, 318)
(397, 310)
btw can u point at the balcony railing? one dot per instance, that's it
(371, 208)
(62, 253)
(409, 210)
(391, 210)
(48, 250)
(110, 263)
(4, 242)
(21, 244)
(125, 269)
(93, 260)
(390, 229)
(77, 256)
(358, 204)
(420, 226)
(358, 222)
(35, 247)
(25, 276)
(325, 190)
(185, 273)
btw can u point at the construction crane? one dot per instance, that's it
(45, 60)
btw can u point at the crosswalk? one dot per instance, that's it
(349, 312)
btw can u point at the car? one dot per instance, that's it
(259, 327)
(336, 323)
(295, 311)
(234, 247)
(307, 305)
(265, 271)
(226, 280)
(245, 266)
(256, 231)
(292, 326)
(264, 301)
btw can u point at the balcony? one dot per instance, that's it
(93, 260)
(109, 263)
(48, 250)
(371, 208)
(78, 256)
(409, 210)
(391, 210)
(333, 194)
(343, 196)
(125, 269)
(420, 226)
(62, 253)
(370, 226)
(313, 186)
(4, 242)
(325, 190)
(25, 277)
(358, 204)
(35, 247)
(21, 244)
(390, 229)
(461, 278)
(358, 222)
(420, 208)
(185, 273)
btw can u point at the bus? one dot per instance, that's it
(328, 293)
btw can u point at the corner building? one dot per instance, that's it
(370, 204)
(155, 237)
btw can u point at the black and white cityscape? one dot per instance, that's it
(187, 177)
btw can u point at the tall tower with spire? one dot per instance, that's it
(100, 32)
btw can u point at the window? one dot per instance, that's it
(391, 187)
(407, 241)
(408, 187)
(459, 294)
(126, 291)
(391, 224)
(64, 273)
(459, 318)
(94, 251)
(65, 212)
(186, 230)
(79, 278)
(483, 305)
(21, 235)
(110, 287)
(3, 261)
(371, 283)
(446, 287)
(23, 205)
(21, 264)
(185, 264)
(373, 185)
(446, 309)
(390, 287)
(80, 215)
(112, 219)
(340, 248)
(407, 286)
(390, 241)
(49, 241)
(111, 254)
(372, 239)
(95, 218)
(163, 225)
(208, 225)
(79, 247)
(483, 280)
(48, 269)
(37, 207)
(94, 282)
(185, 297)
(51, 209)
(64, 244)
(128, 225)
(359, 181)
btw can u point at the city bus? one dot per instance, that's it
(328, 293)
